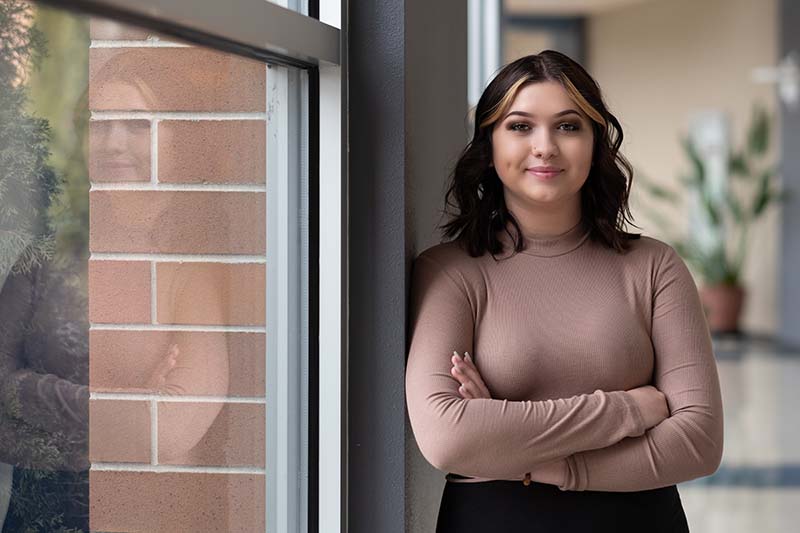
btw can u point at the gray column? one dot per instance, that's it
(408, 110)
(789, 265)
(376, 267)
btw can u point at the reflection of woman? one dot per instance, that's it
(44, 380)
(590, 389)
(125, 149)
(44, 419)
(43, 352)
(202, 364)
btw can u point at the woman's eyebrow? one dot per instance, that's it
(529, 115)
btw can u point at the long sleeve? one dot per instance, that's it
(491, 438)
(47, 401)
(44, 394)
(688, 444)
(51, 390)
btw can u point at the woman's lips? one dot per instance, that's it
(544, 174)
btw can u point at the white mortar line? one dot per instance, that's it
(164, 398)
(177, 115)
(153, 303)
(154, 151)
(133, 467)
(178, 258)
(199, 187)
(177, 327)
(153, 431)
(138, 43)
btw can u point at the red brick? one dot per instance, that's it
(212, 151)
(119, 292)
(235, 438)
(174, 79)
(193, 222)
(124, 361)
(119, 150)
(167, 502)
(119, 431)
(211, 293)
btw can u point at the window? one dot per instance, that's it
(170, 251)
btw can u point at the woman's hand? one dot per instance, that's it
(652, 404)
(472, 386)
(466, 373)
(158, 378)
(552, 473)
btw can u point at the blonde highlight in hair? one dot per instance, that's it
(585, 106)
(504, 103)
(502, 106)
(475, 199)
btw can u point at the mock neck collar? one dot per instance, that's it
(549, 245)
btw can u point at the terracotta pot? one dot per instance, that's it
(723, 306)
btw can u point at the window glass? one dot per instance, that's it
(133, 279)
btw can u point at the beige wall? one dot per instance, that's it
(658, 62)
(518, 43)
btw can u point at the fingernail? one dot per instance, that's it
(467, 356)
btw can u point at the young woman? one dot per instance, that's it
(588, 386)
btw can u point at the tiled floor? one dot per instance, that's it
(757, 487)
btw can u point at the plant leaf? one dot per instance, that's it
(660, 192)
(737, 165)
(735, 207)
(711, 208)
(697, 163)
(758, 133)
(764, 193)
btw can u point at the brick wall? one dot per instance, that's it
(177, 240)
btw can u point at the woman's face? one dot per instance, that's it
(119, 150)
(542, 148)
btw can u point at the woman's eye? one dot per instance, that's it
(565, 126)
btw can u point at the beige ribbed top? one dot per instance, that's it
(559, 332)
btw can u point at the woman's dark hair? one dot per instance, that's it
(476, 191)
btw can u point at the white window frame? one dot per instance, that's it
(261, 28)
(483, 45)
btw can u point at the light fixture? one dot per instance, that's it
(786, 76)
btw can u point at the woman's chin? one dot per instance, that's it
(542, 198)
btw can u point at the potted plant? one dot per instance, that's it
(751, 189)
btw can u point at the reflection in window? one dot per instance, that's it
(44, 365)
(132, 279)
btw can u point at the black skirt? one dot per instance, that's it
(500, 506)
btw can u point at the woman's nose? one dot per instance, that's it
(542, 145)
(115, 138)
